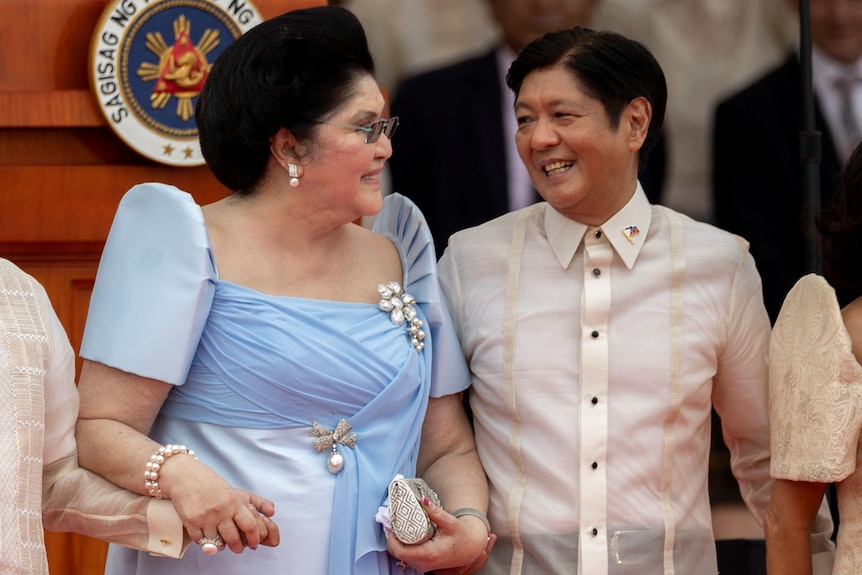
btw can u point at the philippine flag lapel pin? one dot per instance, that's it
(630, 232)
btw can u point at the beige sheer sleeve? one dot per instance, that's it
(815, 388)
(74, 499)
(39, 457)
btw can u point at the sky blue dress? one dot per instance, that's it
(253, 371)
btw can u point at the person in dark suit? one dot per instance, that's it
(757, 174)
(456, 154)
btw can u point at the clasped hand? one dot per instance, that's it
(210, 508)
(460, 546)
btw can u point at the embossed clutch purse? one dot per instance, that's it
(409, 520)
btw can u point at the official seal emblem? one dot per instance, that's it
(148, 62)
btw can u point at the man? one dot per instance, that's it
(601, 330)
(757, 173)
(37, 443)
(455, 155)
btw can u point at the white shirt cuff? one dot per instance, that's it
(167, 536)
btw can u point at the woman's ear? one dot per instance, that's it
(637, 115)
(283, 148)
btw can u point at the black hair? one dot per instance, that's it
(286, 72)
(608, 66)
(840, 227)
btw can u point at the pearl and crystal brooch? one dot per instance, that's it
(399, 306)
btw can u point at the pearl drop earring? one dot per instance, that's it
(293, 171)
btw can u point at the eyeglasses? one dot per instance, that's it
(373, 130)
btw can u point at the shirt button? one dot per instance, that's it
(594, 465)
(598, 233)
(595, 334)
(594, 531)
(595, 400)
(597, 272)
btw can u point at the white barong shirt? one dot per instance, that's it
(597, 354)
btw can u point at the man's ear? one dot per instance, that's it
(636, 119)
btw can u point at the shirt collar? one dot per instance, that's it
(825, 71)
(626, 230)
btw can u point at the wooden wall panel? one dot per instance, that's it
(63, 172)
(77, 203)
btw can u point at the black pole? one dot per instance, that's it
(809, 145)
(809, 149)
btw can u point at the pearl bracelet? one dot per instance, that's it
(475, 513)
(154, 465)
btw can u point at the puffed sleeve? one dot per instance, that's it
(154, 286)
(403, 222)
(815, 388)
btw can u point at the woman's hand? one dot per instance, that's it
(210, 508)
(459, 547)
(116, 415)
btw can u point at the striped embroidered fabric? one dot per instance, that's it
(23, 359)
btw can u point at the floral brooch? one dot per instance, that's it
(399, 306)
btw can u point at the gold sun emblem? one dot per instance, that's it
(182, 68)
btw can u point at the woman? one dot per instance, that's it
(252, 330)
(815, 381)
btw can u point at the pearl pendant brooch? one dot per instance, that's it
(328, 439)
